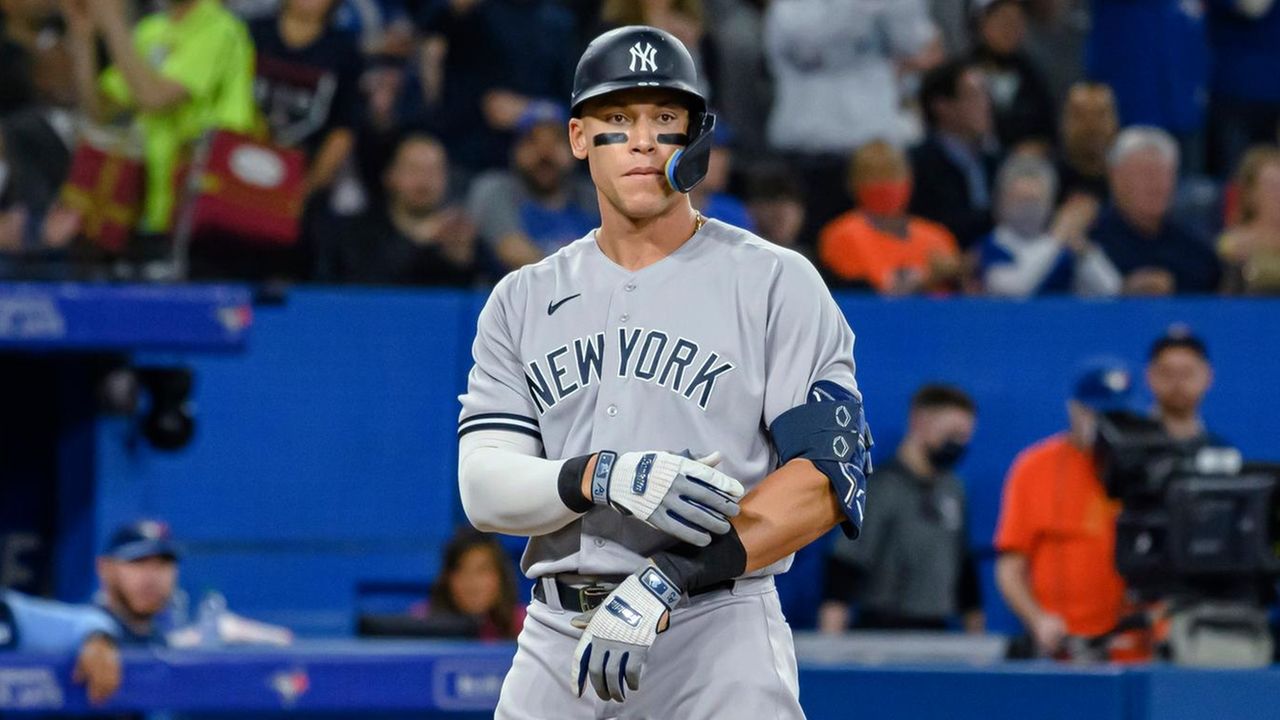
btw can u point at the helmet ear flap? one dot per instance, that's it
(688, 165)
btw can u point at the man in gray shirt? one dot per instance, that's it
(911, 568)
(540, 204)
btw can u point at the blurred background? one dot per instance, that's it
(244, 243)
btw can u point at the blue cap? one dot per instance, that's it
(538, 113)
(142, 539)
(1104, 386)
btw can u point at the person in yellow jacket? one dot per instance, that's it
(181, 72)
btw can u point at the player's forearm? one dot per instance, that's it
(505, 488)
(790, 508)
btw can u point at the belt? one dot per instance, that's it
(582, 598)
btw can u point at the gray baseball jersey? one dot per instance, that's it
(701, 351)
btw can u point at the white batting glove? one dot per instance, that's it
(686, 498)
(620, 631)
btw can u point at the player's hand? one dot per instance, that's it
(619, 633)
(686, 498)
(98, 668)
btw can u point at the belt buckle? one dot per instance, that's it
(590, 596)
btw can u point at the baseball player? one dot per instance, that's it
(667, 409)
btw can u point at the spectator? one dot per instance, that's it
(739, 76)
(776, 203)
(13, 218)
(836, 87)
(505, 61)
(383, 27)
(35, 68)
(1155, 255)
(415, 236)
(1056, 37)
(1244, 106)
(165, 71)
(1179, 375)
(1057, 528)
(682, 18)
(1154, 55)
(1023, 108)
(879, 245)
(540, 204)
(1025, 256)
(306, 84)
(711, 197)
(1089, 127)
(138, 575)
(1250, 251)
(43, 626)
(957, 158)
(477, 588)
(952, 19)
(36, 89)
(911, 568)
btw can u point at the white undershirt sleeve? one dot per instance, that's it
(507, 488)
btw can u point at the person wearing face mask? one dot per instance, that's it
(912, 569)
(1057, 529)
(1025, 255)
(878, 245)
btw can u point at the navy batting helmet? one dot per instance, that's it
(638, 56)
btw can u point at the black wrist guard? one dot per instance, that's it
(571, 484)
(694, 568)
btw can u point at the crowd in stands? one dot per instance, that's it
(1002, 147)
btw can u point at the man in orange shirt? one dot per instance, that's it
(1057, 530)
(879, 245)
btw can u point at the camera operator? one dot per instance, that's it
(1179, 375)
(1057, 528)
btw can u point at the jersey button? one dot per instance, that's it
(611, 411)
(625, 317)
(629, 286)
(599, 542)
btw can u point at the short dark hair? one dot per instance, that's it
(934, 396)
(942, 82)
(773, 181)
(1178, 337)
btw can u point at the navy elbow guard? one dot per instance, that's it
(830, 430)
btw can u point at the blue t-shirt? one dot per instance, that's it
(552, 229)
(728, 209)
(1246, 53)
(1155, 56)
(37, 625)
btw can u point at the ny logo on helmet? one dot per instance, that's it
(647, 56)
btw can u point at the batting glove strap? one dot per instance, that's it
(617, 635)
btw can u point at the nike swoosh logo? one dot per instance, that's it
(552, 307)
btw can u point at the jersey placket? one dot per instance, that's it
(613, 406)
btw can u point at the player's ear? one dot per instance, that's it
(578, 138)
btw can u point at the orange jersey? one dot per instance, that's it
(853, 249)
(1056, 512)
